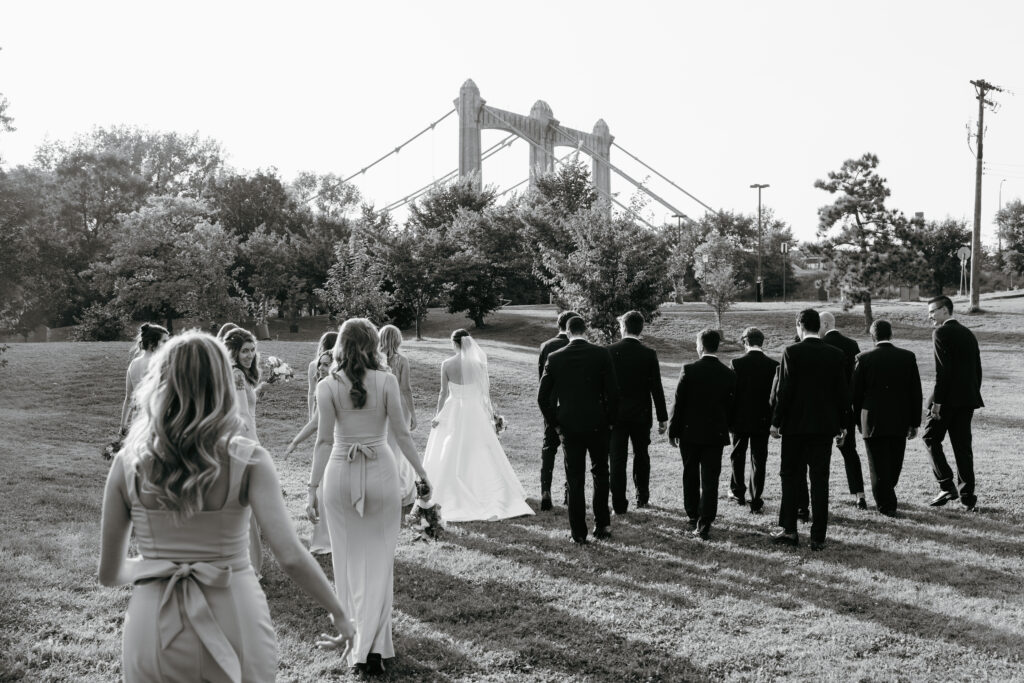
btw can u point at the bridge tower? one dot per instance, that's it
(540, 128)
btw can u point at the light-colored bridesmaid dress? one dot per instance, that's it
(197, 612)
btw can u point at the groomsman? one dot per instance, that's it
(887, 405)
(639, 375)
(699, 426)
(952, 403)
(550, 446)
(578, 398)
(812, 407)
(752, 418)
(850, 349)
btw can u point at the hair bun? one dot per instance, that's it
(144, 327)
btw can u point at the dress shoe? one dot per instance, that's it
(579, 541)
(737, 499)
(692, 523)
(888, 513)
(641, 503)
(602, 532)
(862, 504)
(701, 532)
(757, 507)
(545, 501)
(783, 537)
(943, 498)
(969, 506)
(817, 545)
(803, 515)
(374, 664)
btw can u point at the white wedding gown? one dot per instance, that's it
(471, 476)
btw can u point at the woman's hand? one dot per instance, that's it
(426, 482)
(312, 506)
(412, 423)
(345, 638)
(434, 423)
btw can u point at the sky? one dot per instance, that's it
(715, 96)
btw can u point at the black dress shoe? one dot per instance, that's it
(817, 545)
(579, 541)
(692, 523)
(969, 507)
(641, 503)
(943, 498)
(603, 532)
(803, 515)
(783, 537)
(887, 512)
(545, 501)
(701, 532)
(862, 504)
(737, 499)
(374, 664)
(756, 506)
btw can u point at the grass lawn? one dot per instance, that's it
(934, 594)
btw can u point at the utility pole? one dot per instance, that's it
(759, 287)
(981, 87)
(785, 264)
(999, 226)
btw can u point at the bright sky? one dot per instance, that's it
(715, 95)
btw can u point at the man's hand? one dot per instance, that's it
(775, 432)
(933, 411)
(673, 441)
(841, 437)
(662, 426)
(912, 432)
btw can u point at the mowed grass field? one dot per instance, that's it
(935, 594)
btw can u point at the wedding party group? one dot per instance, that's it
(192, 485)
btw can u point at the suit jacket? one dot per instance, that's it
(549, 347)
(813, 397)
(754, 374)
(705, 397)
(850, 349)
(957, 367)
(578, 390)
(886, 391)
(639, 375)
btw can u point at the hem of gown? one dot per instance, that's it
(472, 517)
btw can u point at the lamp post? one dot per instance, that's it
(785, 253)
(759, 287)
(679, 226)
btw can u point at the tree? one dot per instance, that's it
(938, 242)
(168, 260)
(354, 287)
(473, 278)
(615, 266)
(1010, 220)
(266, 266)
(715, 270)
(242, 203)
(436, 210)
(866, 242)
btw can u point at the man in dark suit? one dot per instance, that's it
(887, 402)
(951, 406)
(752, 419)
(850, 348)
(578, 396)
(812, 407)
(636, 367)
(550, 446)
(699, 426)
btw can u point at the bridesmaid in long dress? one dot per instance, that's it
(245, 374)
(390, 341)
(186, 481)
(360, 478)
(150, 337)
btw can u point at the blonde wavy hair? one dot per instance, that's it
(186, 417)
(357, 351)
(390, 340)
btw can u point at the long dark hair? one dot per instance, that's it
(326, 343)
(235, 340)
(150, 335)
(357, 351)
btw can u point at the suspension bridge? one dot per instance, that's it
(543, 133)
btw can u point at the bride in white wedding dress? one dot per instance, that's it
(468, 469)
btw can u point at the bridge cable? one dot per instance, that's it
(664, 178)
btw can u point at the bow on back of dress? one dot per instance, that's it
(474, 369)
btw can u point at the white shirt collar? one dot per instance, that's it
(884, 341)
(950, 319)
(811, 335)
(710, 355)
(755, 348)
(631, 336)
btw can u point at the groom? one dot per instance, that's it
(578, 397)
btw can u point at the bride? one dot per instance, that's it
(467, 466)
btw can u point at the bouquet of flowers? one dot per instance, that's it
(111, 449)
(278, 370)
(425, 516)
(500, 423)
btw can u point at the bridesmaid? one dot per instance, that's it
(186, 482)
(325, 345)
(245, 373)
(360, 478)
(149, 339)
(390, 341)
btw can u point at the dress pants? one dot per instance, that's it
(803, 455)
(576, 447)
(885, 463)
(854, 474)
(547, 456)
(957, 421)
(702, 463)
(639, 433)
(758, 461)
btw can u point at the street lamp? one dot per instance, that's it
(679, 226)
(758, 289)
(785, 253)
